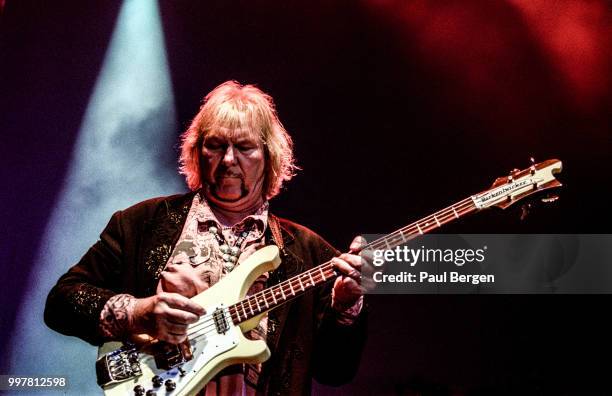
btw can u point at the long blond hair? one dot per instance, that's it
(231, 105)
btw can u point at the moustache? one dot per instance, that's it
(228, 173)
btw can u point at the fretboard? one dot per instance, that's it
(291, 288)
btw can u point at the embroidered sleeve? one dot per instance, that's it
(87, 300)
(116, 315)
(74, 304)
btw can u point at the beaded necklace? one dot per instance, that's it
(229, 253)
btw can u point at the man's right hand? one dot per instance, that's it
(164, 316)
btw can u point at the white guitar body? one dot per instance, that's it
(212, 351)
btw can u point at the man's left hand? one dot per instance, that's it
(347, 287)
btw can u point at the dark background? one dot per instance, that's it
(397, 109)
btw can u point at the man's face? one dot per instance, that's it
(233, 167)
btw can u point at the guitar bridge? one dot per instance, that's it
(118, 366)
(168, 356)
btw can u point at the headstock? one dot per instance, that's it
(519, 184)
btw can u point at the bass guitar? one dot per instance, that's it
(217, 341)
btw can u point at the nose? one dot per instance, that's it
(229, 157)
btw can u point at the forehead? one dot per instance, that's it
(233, 134)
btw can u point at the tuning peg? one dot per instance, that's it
(532, 168)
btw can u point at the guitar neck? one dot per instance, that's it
(424, 225)
(291, 288)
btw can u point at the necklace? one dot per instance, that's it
(229, 253)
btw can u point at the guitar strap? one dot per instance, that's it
(277, 317)
(276, 233)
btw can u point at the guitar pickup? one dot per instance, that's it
(221, 324)
(118, 366)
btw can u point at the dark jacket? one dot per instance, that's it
(303, 335)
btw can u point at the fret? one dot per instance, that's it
(265, 299)
(250, 307)
(291, 287)
(327, 271)
(274, 297)
(396, 242)
(282, 292)
(243, 310)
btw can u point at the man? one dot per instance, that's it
(154, 256)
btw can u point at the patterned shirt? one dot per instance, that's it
(199, 247)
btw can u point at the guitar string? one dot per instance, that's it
(446, 215)
(459, 207)
(207, 330)
(206, 322)
(405, 234)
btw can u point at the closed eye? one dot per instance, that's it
(214, 144)
(244, 147)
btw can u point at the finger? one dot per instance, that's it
(180, 317)
(175, 300)
(358, 243)
(170, 268)
(350, 286)
(353, 260)
(171, 277)
(174, 282)
(338, 282)
(345, 268)
(346, 291)
(175, 328)
(179, 271)
(172, 338)
(367, 255)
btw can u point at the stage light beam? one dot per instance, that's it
(123, 154)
